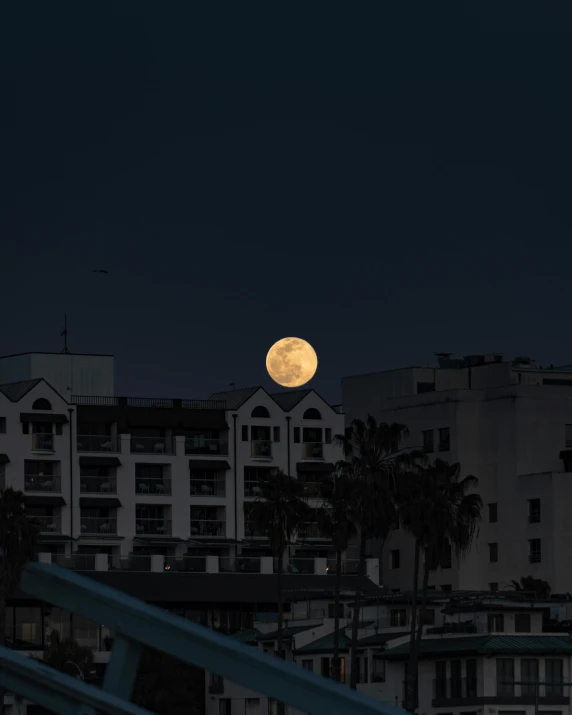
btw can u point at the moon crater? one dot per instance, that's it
(291, 362)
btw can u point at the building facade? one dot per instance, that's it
(509, 423)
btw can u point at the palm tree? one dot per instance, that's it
(372, 461)
(337, 521)
(18, 540)
(436, 508)
(69, 657)
(538, 586)
(278, 513)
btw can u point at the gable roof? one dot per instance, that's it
(289, 400)
(486, 645)
(287, 633)
(235, 398)
(15, 391)
(325, 644)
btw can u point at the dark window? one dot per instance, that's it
(260, 412)
(2, 425)
(328, 435)
(528, 675)
(395, 559)
(446, 587)
(456, 679)
(25, 428)
(224, 706)
(471, 678)
(493, 553)
(493, 513)
(534, 511)
(441, 679)
(444, 439)
(568, 436)
(42, 404)
(398, 617)
(427, 616)
(325, 667)
(493, 586)
(553, 676)
(312, 414)
(276, 431)
(332, 610)
(522, 623)
(505, 676)
(308, 665)
(495, 623)
(245, 433)
(296, 435)
(427, 440)
(534, 551)
(425, 387)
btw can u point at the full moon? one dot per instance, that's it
(291, 362)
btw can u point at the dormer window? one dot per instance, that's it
(260, 411)
(42, 404)
(312, 414)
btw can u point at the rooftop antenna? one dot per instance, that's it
(64, 335)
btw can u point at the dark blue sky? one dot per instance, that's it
(383, 185)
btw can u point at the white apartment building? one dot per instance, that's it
(171, 479)
(509, 423)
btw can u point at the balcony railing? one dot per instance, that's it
(252, 489)
(153, 527)
(152, 445)
(100, 525)
(202, 445)
(43, 483)
(208, 487)
(298, 565)
(96, 443)
(454, 688)
(192, 564)
(43, 442)
(253, 532)
(242, 564)
(153, 486)
(49, 524)
(207, 527)
(158, 402)
(132, 562)
(311, 530)
(97, 485)
(350, 567)
(312, 450)
(76, 562)
(261, 449)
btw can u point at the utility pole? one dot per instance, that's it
(536, 684)
(64, 335)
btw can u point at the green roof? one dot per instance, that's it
(326, 644)
(286, 633)
(486, 645)
(249, 637)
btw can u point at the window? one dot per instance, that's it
(427, 616)
(398, 617)
(378, 669)
(312, 414)
(528, 676)
(42, 404)
(522, 623)
(444, 439)
(28, 627)
(252, 706)
(534, 551)
(446, 587)
(328, 435)
(505, 676)
(471, 678)
(441, 679)
(456, 679)
(427, 440)
(245, 433)
(224, 706)
(260, 411)
(296, 435)
(495, 623)
(332, 610)
(493, 514)
(2, 425)
(568, 435)
(425, 387)
(493, 553)
(493, 586)
(533, 511)
(2, 476)
(395, 559)
(553, 676)
(276, 435)
(308, 665)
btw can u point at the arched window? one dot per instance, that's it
(312, 414)
(42, 404)
(260, 411)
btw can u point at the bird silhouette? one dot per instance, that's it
(99, 270)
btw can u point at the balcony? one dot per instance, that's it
(42, 483)
(208, 487)
(98, 525)
(75, 562)
(186, 564)
(49, 524)
(207, 527)
(242, 564)
(203, 445)
(153, 486)
(261, 449)
(312, 450)
(298, 564)
(447, 689)
(131, 562)
(98, 485)
(152, 445)
(252, 489)
(42, 443)
(311, 530)
(152, 527)
(96, 443)
(350, 567)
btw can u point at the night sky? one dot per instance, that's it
(385, 186)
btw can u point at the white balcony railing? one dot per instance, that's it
(153, 486)
(261, 449)
(312, 450)
(96, 443)
(42, 483)
(206, 527)
(98, 485)
(98, 525)
(153, 527)
(43, 442)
